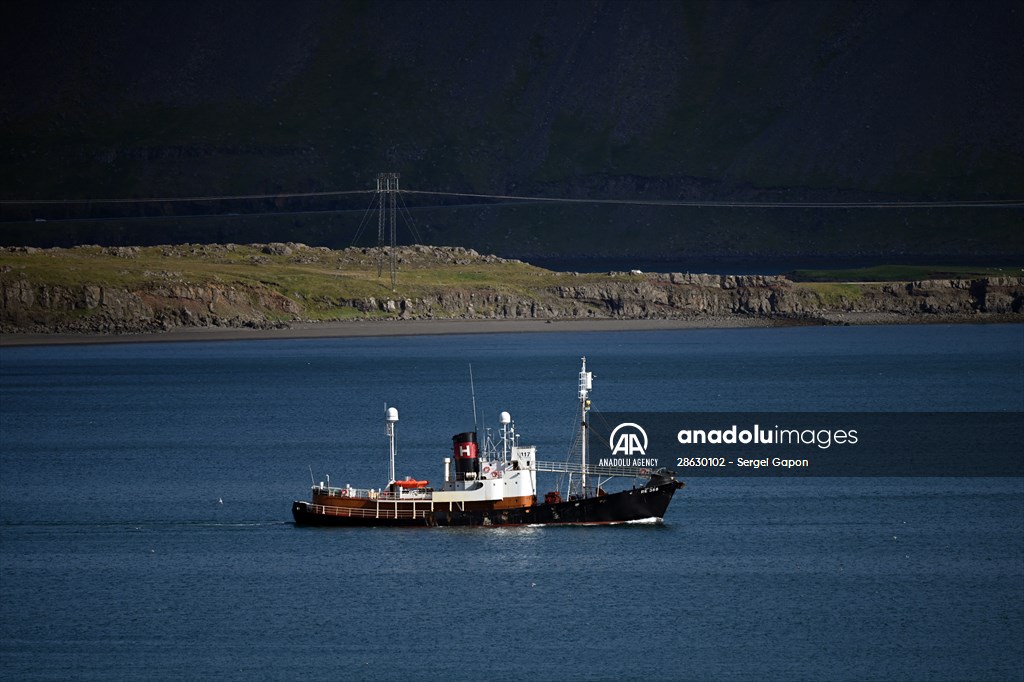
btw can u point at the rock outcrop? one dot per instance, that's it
(696, 295)
(51, 308)
(163, 299)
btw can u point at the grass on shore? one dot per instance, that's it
(904, 273)
(319, 278)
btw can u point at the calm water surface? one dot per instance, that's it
(145, 528)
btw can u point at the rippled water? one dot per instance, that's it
(145, 530)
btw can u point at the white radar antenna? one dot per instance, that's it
(391, 417)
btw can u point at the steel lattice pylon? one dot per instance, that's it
(387, 190)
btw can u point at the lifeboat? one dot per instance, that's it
(410, 484)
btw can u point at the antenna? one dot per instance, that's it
(390, 417)
(311, 479)
(505, 419)
(586, 383)
(472, 392)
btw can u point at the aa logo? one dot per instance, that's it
(628, 439)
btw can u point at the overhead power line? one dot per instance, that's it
(997, 203)
(692, 203)
(161, 200)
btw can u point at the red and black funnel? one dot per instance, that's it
(466, 459)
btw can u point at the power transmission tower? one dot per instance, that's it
(387, 191)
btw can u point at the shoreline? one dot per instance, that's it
(439, 327)
(214, 292)
(372, 328)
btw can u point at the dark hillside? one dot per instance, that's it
(738, 101)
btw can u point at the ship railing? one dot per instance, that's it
(407, 495)
(365, 493)
(372, 494)
(375, 512)
(593, 470)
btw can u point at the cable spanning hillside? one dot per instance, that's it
(330, 218)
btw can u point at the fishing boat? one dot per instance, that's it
(495, 484)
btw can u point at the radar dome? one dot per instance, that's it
(392, 414)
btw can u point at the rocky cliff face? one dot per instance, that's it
(29, 307)
(688, 295)
(25, 306)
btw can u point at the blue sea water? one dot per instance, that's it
(145, 527)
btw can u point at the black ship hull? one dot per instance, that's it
(649, 502)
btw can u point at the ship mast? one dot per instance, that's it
(586, 383)
(390, 417)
